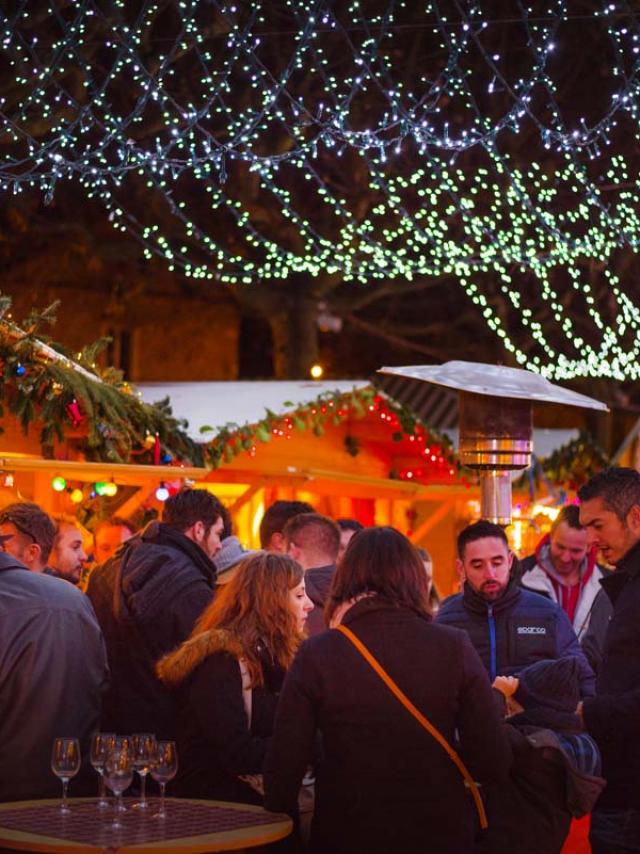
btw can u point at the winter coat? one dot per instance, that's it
(383, 783)
(593, 641)
(216, 744)
(531, 814)
(514, 630)
(317, 582)
(536, 578)
(612, 715)
(147, 599)
(53, 672)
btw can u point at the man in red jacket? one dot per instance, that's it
(564, 569)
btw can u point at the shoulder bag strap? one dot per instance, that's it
(430, 728)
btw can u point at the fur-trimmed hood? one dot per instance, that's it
(176, 666)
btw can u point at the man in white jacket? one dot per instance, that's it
(564, 568)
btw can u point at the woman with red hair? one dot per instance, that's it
(228, 675)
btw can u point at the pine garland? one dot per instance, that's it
(75, 399)
(568, 467)
(329, 408)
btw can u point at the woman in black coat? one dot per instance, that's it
(228, 675)
(384, 784)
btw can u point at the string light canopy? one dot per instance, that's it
(356, 142)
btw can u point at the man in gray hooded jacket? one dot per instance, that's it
(314, 541)
(53, 672)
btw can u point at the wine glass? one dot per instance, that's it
(65, 764)
(163, 768)
(118, 773)
(99, 745)
(144, 748)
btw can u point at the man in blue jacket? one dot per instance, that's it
(509, 627)
(610, 511)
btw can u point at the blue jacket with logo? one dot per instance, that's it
(517, 629)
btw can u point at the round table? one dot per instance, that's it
(190, 826)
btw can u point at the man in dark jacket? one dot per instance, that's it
(147, 599)
(314, 541)
(53, 672)
(509, 627)
(610, 510)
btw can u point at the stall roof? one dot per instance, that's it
(218, 403)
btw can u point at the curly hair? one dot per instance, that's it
(249, 612)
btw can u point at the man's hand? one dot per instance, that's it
(579, 712)
(507, 685)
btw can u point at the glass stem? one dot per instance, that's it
(102, 791)
(143, 787)
(163, 786)
(65, 784)
(118, 803)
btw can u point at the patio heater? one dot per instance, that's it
(496, 420)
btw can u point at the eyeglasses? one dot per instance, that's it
(18, 526)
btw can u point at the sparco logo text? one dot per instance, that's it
(532, 630)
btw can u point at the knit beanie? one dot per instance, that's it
(554, 684)
(231, 553)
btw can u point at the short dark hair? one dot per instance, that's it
(346, 524)
(570, 515)
(479, 531)
(30, 519)
(115, 522)
(315, 531)
(380, 560)
(189, 506)
(276, 517)
(618, 487)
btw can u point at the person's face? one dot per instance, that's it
(300, 605)
(612, 535)
(210, 543)
(567, 548)
(21, 546)
(428, 568)
(277, 543)
(108, 540)
(68, 556)
(346, 535)
(485, 566)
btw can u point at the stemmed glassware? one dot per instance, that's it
(164, 766)
(100, 744)
(144, 749)
(65, 764)
(118, 772)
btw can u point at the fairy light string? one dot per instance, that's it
(245, 121)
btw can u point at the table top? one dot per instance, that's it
(190, 826)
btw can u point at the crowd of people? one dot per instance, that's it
(320, 676)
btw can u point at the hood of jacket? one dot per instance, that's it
(154, 567)
(317, 582)
(582, 789)
(175, 667)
